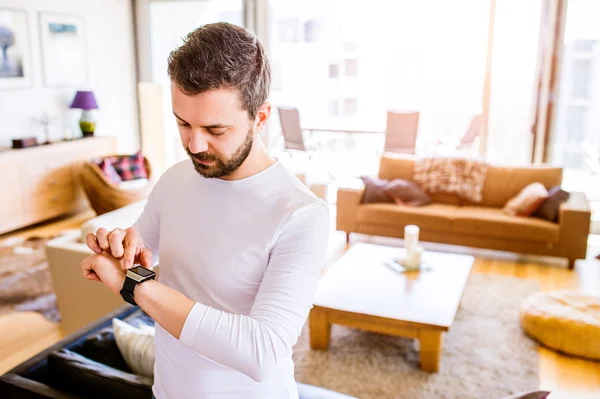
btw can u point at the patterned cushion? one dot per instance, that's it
(109, 171)
(460, 176)
(130, 167)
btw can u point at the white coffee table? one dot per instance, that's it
(361, 292)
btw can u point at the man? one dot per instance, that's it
(241, 241)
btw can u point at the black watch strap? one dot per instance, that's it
(127, 291)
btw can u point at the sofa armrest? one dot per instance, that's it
(348, 201)
(79, 301)
(574, 219)
(15, 386)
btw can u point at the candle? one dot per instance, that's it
(411, 237)
(413, 257)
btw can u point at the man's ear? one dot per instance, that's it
(262, 116)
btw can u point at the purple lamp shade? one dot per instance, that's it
(84, 100)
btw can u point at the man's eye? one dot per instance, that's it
(217, 132)
(183, 124)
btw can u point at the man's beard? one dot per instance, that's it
(221, 168)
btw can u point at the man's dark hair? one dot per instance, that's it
(222, 55)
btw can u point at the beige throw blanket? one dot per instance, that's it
(460, 176)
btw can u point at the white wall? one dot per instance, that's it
(108, 27)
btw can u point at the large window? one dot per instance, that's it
(345, 63)
(169, 21)
(513, 81)
(575, 141)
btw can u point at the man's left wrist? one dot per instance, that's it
(118, 289)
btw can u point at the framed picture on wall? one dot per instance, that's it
(15, 50)
(63, 49)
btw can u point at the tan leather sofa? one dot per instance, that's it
(82, 301)
(452, 220)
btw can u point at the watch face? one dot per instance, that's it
(142, 271)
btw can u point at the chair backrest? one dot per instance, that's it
(289, 118)
(401, 132)
(472, 131)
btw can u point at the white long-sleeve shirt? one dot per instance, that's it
(249, 252)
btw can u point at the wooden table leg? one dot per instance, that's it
(320, 329)
(430, 343)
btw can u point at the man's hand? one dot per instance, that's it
(104, 268)
(122, 244)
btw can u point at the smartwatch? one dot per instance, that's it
(135, 276)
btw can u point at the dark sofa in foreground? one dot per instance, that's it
(88, 364)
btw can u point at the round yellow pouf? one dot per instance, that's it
(566, 321)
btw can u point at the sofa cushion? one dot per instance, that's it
(130, 167)
(549, 208)
(136, 346)
(109, 171)
(437, 217)
(397, 166)
(402, 166)
(527, 201)
(102, 348)
(501, 182)
(494, 222)
(463, 177)
(504, 183)
(136, 184)
(76, 374)
(407, 193)
(375, 190)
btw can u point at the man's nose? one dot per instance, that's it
(198, 143)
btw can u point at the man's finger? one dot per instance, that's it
(102, 237)
(129, 257)
(146, 258)
(92, 276)
(133, 246)
(92, 243)
(87, 270)
(115, 239)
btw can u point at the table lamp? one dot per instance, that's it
(86, 101)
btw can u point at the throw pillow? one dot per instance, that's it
(527, 201)
(549, 208)
(109, 171)
(463, 177)
(375, 190)
(407, 193)
(76, 374)
(136, 346)
(130, 167)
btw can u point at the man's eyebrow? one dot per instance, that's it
(178, 117)
(213, 126)
(216, 126)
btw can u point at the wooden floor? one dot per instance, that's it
(25, 334)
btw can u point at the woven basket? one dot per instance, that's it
(103, 195)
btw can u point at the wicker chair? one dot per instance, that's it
(103, 195)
